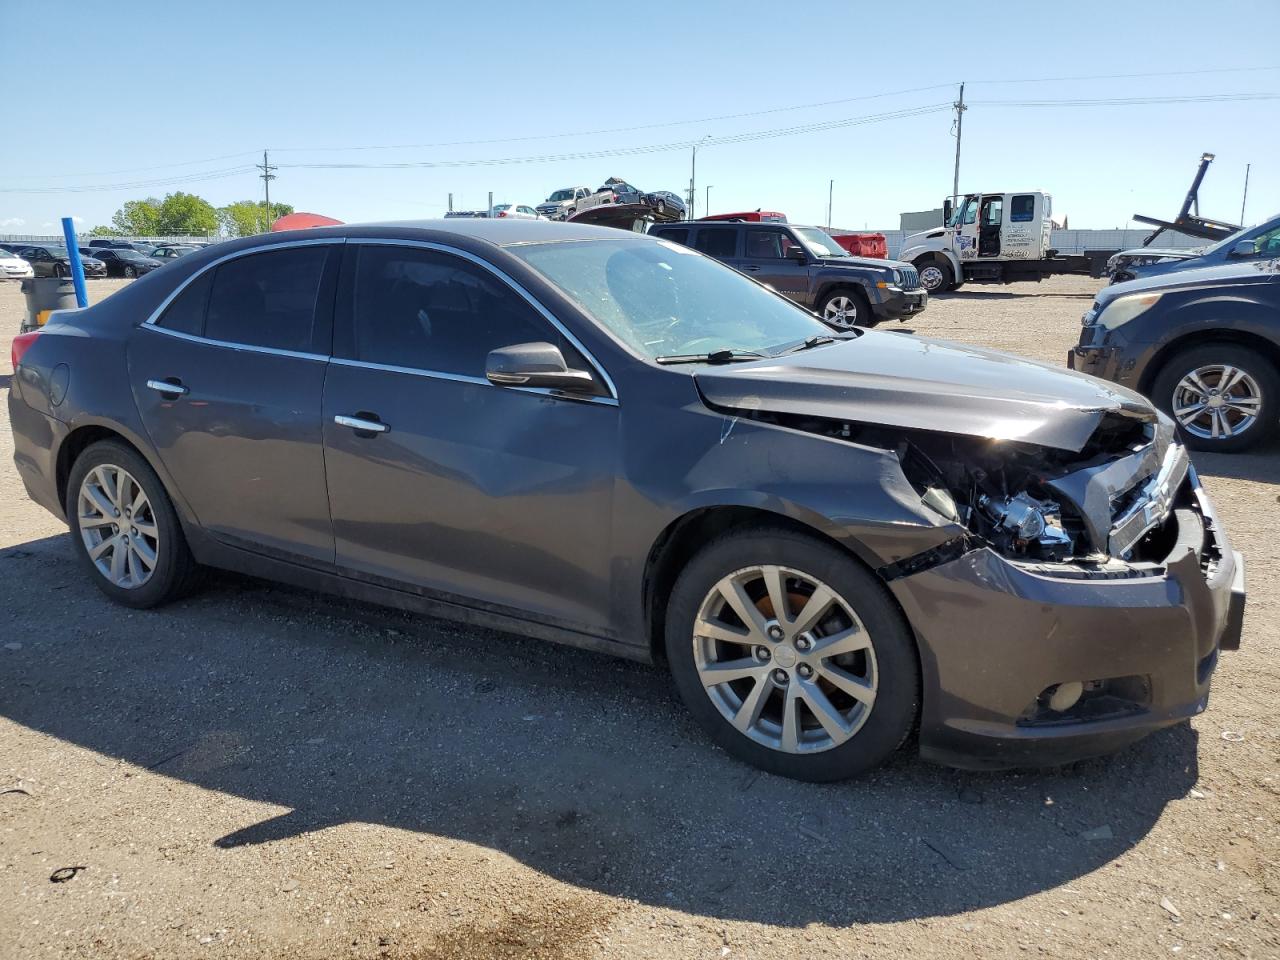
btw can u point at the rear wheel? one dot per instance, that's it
(124, 528)
(1223, 396)
(791, 656)
(846, 307)
(130, 272)
(936, 274)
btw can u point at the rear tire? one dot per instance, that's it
(97, 496)
(1251, 410)
(130, 272)
(793, 672)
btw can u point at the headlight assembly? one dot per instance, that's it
(1123, 309)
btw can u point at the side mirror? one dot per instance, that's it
(946, 212)
(797, 253)
(535, 365)
(1245, 248)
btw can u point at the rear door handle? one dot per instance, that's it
(361, 425)
(172, 387)
(751, 268)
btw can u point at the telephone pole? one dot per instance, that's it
(960, 108)
(1245, 198)
(831, 189)
(267, 176)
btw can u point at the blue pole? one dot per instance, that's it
(77, 266)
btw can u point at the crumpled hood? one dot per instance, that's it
(899, 380)
(1159, 252)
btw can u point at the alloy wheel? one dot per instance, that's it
(1217, 401)
(841, 310)
(118, 526)
(785, 659)
(931, 278)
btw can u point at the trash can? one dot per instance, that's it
(43, 295)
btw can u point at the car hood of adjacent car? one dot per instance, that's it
(1160, 253)
(1217, 274)
(897, 380)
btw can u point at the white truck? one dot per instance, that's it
(996, 238)
(563, 203)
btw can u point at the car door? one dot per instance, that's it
(768, 255)
(228, 381)
(498, 496)
(719, 242)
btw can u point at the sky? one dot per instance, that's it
(107, 105)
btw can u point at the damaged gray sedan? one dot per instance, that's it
(833, 539)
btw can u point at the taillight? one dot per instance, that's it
(502, 213)
(21, 344)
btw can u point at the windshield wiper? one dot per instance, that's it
(808, 344)
(715, 356)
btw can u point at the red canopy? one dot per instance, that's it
(301, 221)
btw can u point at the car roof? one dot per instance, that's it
(500, 233)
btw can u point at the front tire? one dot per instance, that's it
(1223, 397)
(130, 272)
(124, 528)
(936, 275)
(847, 308)
(792, 656)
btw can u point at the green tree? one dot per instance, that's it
(138, 218)
(101, 230)
(247, 217)
(185, 213)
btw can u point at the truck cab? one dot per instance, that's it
(563, 203)
(999, 237)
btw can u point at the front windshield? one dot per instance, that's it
(819, 243)
(128, 254)
(666, 300)
(560, 195)
(1231, 240)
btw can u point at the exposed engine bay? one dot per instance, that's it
(1107, 502)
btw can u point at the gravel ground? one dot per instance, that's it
(259, 772)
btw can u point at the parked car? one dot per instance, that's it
(1259, 242)
(467, 214)
(13, 267)
(1203, 344)
(563, 203)
(173, 251)
(127, 263)
(664, 204)
(114, 243)
(809, 267)
(54, 261)
(834, 542)
(513, 211)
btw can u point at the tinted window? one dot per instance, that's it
(267, 299)
(186, 313)
(433, 311)
(678, 235)
(1022, 208)
(717, 242)
(768, 244)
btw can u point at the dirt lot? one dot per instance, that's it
(257, 772)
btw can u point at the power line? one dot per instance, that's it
(112, 173)
(1131, 76)
(1130, 101)
(139, 184)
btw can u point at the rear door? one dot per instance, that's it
(228, 382)
(719, 242)
(766, 256)
(498, 496)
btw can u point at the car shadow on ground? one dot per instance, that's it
(1261, 465)
(1006, 295)
(583, 767)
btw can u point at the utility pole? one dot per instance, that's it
(1245, 198)
(960, 108)
(267, 176)
(693, 176)
(490, 213)
(831, 188)
(707, 206)
(451, 203)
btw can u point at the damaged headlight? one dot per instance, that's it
(1023, 525)
(1123, 309)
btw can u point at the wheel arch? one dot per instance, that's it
(678, 541)
(1205, 337)
(856, 284)
(86, 434)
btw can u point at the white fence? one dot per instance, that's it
(1071, 241)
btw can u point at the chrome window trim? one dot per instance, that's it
(515, 285)
(480, 381)
(232, 345)
(264, 248)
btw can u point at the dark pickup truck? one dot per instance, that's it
(808, 266)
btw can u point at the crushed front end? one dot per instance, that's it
(1084, 608)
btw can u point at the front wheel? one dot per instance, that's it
(791, 656)
(1224, 397)
(846, 308)
(936, 275)
(124, 528)
(130, 272)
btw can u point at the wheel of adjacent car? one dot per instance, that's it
(1224, 396)
(130, 272)
(124, 528)
(936, 274)
(791, 655)
(662, 206)
(846, 307)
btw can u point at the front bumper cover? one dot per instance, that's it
(995, 634)
(896, 304)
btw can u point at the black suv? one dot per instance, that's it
(1203, 344)
(806, 265)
